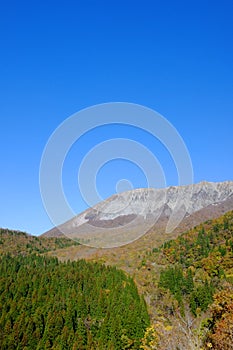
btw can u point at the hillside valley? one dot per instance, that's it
(178, 285)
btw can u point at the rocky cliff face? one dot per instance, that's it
(125, 217)
(148, 201)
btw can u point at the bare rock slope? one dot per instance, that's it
(124, 217)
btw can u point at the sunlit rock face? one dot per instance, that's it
(124, 217)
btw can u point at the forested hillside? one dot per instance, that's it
(17, 242)
(197, 271)
(187, 284)
(46, 304)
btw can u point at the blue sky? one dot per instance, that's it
(58, 57)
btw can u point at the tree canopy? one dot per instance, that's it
(46, 304)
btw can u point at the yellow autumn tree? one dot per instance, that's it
(150, 339)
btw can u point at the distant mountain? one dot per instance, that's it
(125, 217)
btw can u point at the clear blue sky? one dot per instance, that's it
(58, 57)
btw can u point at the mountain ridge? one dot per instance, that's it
(124, 217)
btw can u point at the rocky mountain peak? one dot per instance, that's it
(126, 216)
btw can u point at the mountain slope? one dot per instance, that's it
(182, 313)
(125, 217)
(46, 304)
(17, 242)
(197, 270)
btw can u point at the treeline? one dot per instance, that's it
(46, 304)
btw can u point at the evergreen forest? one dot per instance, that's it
(46, 304)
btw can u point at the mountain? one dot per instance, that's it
(125, 217)
(185, 276)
